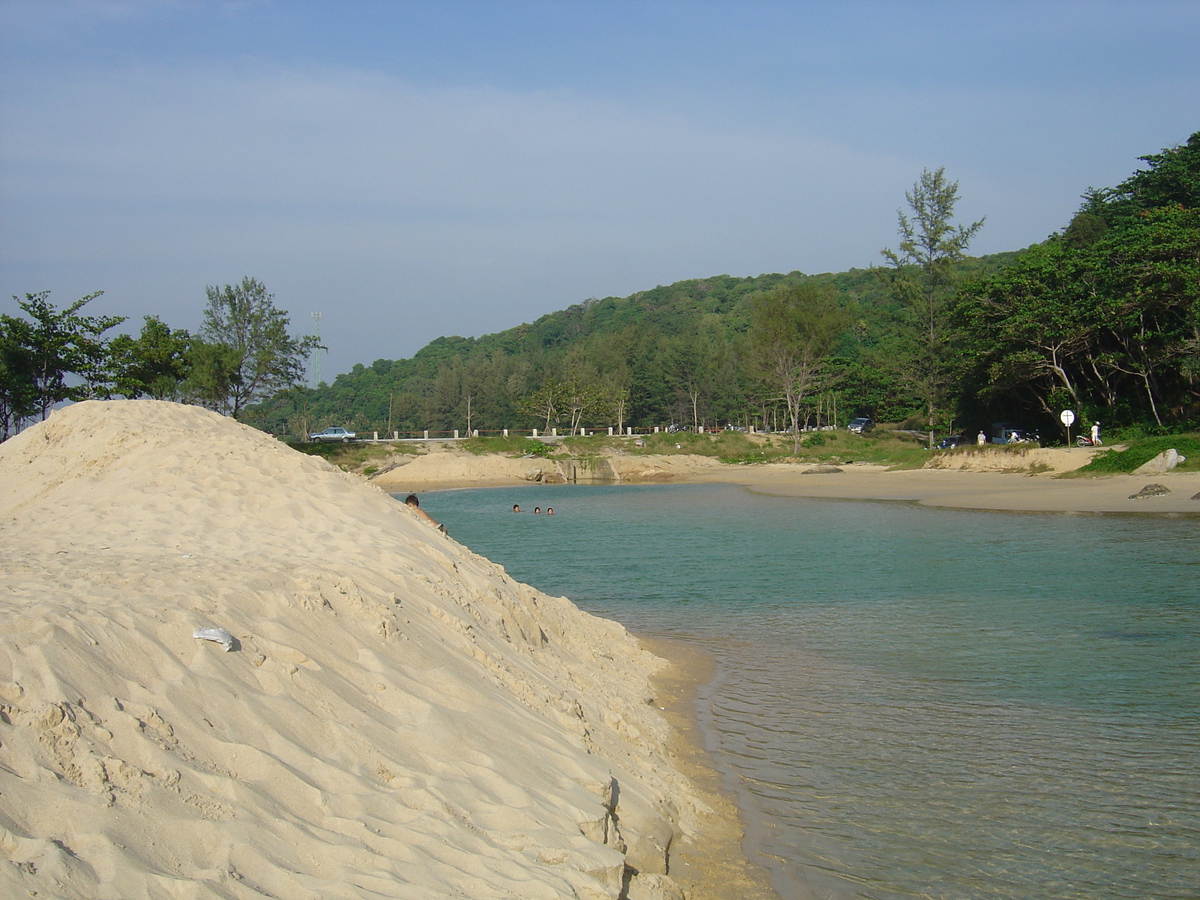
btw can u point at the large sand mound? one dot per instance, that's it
(397, 718)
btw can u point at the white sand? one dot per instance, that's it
(397, 718)
(446, 466)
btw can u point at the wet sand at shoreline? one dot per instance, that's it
(966, 481)
(976, 490)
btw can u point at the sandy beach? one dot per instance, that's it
(231, 670)
(988, 480)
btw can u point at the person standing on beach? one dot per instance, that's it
(981, 439)
(1095, 434)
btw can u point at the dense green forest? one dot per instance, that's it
(675, 354)
(1102, 317)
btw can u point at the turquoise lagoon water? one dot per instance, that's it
(908, 702)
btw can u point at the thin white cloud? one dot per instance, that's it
(409, 208)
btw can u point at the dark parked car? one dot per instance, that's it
(860, 425)
(333, 434)
(950, 442)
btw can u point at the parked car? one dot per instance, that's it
(335, 433)
(951, 441)
(860, 425)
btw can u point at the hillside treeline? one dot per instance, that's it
(1102, 318)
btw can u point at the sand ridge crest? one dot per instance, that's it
(397, 717)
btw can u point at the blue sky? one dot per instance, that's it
(413, 169)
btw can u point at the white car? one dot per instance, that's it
(333, 434)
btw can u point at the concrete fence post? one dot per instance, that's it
(506, 432)
(426, 434)
(456, 434)
(535, 432)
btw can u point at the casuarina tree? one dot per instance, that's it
(244, 353)
(920, 274)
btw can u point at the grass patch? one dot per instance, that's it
(1141, 451)
(355, 457)
(507, 446)
(881, 447)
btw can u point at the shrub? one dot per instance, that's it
(1113, 462)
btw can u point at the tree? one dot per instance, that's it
(579, 395)
(1104, 318)
(18, 397)
(1034, 326)
(154, 364)
(62, 353)
(245, 353)
(921, 276)
(543, 403)
(792, 333)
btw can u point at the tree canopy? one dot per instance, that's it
(52, 356)
(245, 353)
(1102, 317)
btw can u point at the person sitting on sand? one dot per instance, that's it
(414, 504)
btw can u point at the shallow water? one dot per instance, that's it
(909, 702)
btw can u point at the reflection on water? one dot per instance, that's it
(909, 702)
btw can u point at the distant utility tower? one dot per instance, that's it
(315, 368)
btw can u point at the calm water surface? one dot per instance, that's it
(909, 702)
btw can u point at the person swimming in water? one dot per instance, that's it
(549, 510)
(414, 504)
(537, 510)
(516, 508)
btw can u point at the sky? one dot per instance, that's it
(419, 168)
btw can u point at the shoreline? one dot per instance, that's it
(721, 869)
(227, 662)
(981, 490)
(713, 865)
(972, 484)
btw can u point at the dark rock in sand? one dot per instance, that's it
(1150, 490)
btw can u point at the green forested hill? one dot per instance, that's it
(676, 350)
(1102, 318)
